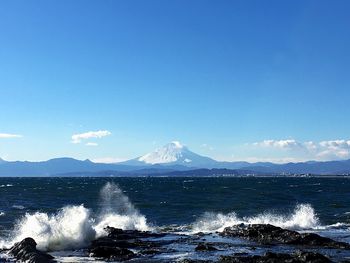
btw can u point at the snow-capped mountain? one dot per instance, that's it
(169, 153)
(173, 153)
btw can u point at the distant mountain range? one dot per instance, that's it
(170, 160)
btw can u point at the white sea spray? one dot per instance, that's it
(303, 217)
(74, 226)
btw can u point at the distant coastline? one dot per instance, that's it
(173, 159)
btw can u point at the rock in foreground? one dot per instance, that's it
(121, 234)
(269, 234)
(112, 253)
(146, 246)
(205, 247)
(116, 245)
(299, 257)
(26, 251)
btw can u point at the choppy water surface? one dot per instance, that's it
(67, 213)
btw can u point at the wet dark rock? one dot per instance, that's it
(112, 253)
(26, 251)
(128, 243)
(146, 245)
(112, 231)
(311, 257)
(150, 251)
(269, 234)
(194, 261)
(269, 257)
(205, 247)
(239, 254)
(116, 245)
(117, 233)
(110, 242)
(156, 251)
(127, 239)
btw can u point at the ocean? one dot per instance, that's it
(64, 214)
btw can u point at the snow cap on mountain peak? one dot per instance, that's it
(170, 152)
(177, 144)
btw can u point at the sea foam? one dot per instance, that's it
(71, 227)
(303, 217)
(75, 226)
(117, 211)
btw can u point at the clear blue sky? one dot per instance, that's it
(218, 76)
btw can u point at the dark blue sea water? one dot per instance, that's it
(55, 209)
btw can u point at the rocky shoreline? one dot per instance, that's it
(269, 234)
(138, 246)
(26, 251)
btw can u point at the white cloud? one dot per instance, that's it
(323, 150)
(267, 159)
(336, 149)
(278, 143)
(336, 144)
(9, 136)
(77, 138)
(310, 145)
(333, 154)
(109, 160)
(91, 144)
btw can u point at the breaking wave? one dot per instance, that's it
(75, 226)
(71, 227)
(303, 217)
(117, 211)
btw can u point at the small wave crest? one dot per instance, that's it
(6, 185)
(20, 207)
(303, 217)
(75, 226)
(335, 226)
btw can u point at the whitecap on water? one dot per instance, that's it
(20, 207)
(303, 217)
(338, 225)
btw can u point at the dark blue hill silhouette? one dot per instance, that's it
(173, 157)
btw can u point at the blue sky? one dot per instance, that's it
(234, 80)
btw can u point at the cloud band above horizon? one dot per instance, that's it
(323, 150)
(78, 138)
(9, 136)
